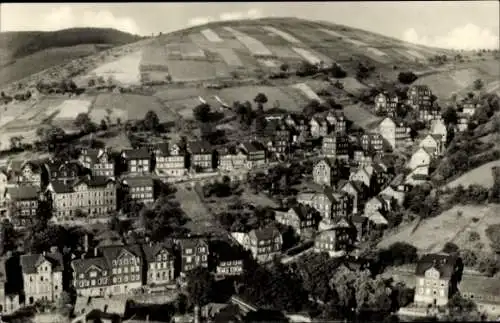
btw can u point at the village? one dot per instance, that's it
(336, 189)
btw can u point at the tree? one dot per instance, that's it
(462, 310)
(450, 116)
(337, 71)
(151, 121)
(284, 67)
(101, 81)
(202, 112)
(91, 83)
(306, 69)
(450, 247)
(260, 99)
(478, 84)
(15, 142)
(407, 77)
(103, 125)
(84, 122)
(50, 135)
(200, 286)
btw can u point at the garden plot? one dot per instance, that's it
(125, 70)
(211, 36)
(229, 56)
(248, 93)
(187, 71)
(355, 42)
(377, 55)
(360, 116)
(198, 39)
(493, 87)
(253, 45)
(408, 54)
(69, 109)
(173, 94)
(284, 52)
(282, 34)
(154, 58)
(12, 111)
(269, 63)
(307, 55)
(331, 32)
(352, 85)
(307, 91)
(189, 50)
(173, 51)
(28, 136)
(415, 54)
(184, 107)
(481, 175)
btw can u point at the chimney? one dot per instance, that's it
(86, 243)
(96, 252)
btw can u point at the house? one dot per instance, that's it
(159, 260)
(9, 298)
(26, 173)
(386, 102)
(419, 97)
(140, 189)
(484, 292)
(375, 204)
(63, 170)
(363, 175)
(418, 176)
(337, 121)
(361, 225)
(22, 204)
(335, 146)
(331, 205)
(421, 157)
(436, 277)
(42, 276)
(194, 254)
(95, 196)
(138, 161)
(98, 161)
(326, 172)
(170, 160)
(228, 258)
(462, 122)
(433, 143)
(318, 127)
(358, 191)
(264, 243)
(300, 217)
(387, 129)
(255, 152)
(361, 158)
(112, 270)
(336, 240)
(395, 193)
(301, 132)
(230, 158)
(438, 128)
(469, 106)
(279, 139)
(3, 189)
(429, 114)
(201, 156)
(372, 142)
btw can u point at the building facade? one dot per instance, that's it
(98, 161)
(170, 160)
(140, 189)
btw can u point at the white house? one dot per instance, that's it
(421, 157)
(433, 143)
(438, 128)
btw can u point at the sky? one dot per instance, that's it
(447, 24)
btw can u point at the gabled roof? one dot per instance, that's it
(331, 162)
(253, 146)
(359, 219)
(24, 192)
(192, 243)
(138, 181)
(377, 218)
(199, 147)
(165, 148)
(30, 262)
(141, 153)
(110, 253)
(332, 195)
(61, 187)
(152, 250)
(267, 233)
(301, 210)
(82, 265)
(444, 263)
(225, 251)
(56, 165)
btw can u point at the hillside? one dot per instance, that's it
(26, 53)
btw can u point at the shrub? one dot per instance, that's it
(407, 77)
(474, 236)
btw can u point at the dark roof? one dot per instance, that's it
(137, 181)
(199, 147)
(24, 192)
(301, 210)
(112, 252)
(444, 263)
(94, 181)
(55, 165)
(141, 153)
(151, 250)
(61, 187)
(225, 251)
(359, 219)
(267, 233)
(253, 146)
(332, 195)
(81, 265)
(30, 262)
(191, 242)
(164, 148)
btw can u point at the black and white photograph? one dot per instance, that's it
(240, 162)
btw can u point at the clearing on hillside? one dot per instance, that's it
(352, 85)
(286, 36)
(124, 70)
(253, 45)
(308, 92)
(127, 107)
(481, 175)
(229, 56)
(189, 71)
(450, 226)
(360, 116)
(69, 109)
(211, 36)
(331, 32)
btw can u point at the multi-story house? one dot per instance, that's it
(255, 152)
(160, 263)
(22, 204)
(230, 158)
(301, 132)
(469, 106)
(125, 265)
(42, 276)
(421, 157)
(429, 114)
(336, 146)
(336, 240)
(438, 128)
(300, 217)
(62, 170)
(194, 254)
(228, 258)
(98, 161)
(279, 141)
(138, 161)
(372, 142)
(462, 122)
(27, 173)
(359, 193)
(326, 172)
(170, 160)
(337, 121)
(330, 204)
(433, 143)
(396, 134)
(363, 175)
(95, 196)
(92, 276)
(201, 156)
(9, 297)
(419, 97)
(386, 103)
(140, 189)
(437, 276)
(361, 158)
(318, 127)
(264, 243)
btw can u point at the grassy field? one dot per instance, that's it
(450, 226)
(360, 115)
(481, 175)
(128, 107)
(124, 70)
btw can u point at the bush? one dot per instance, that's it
(407, 77)
(474, 236)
